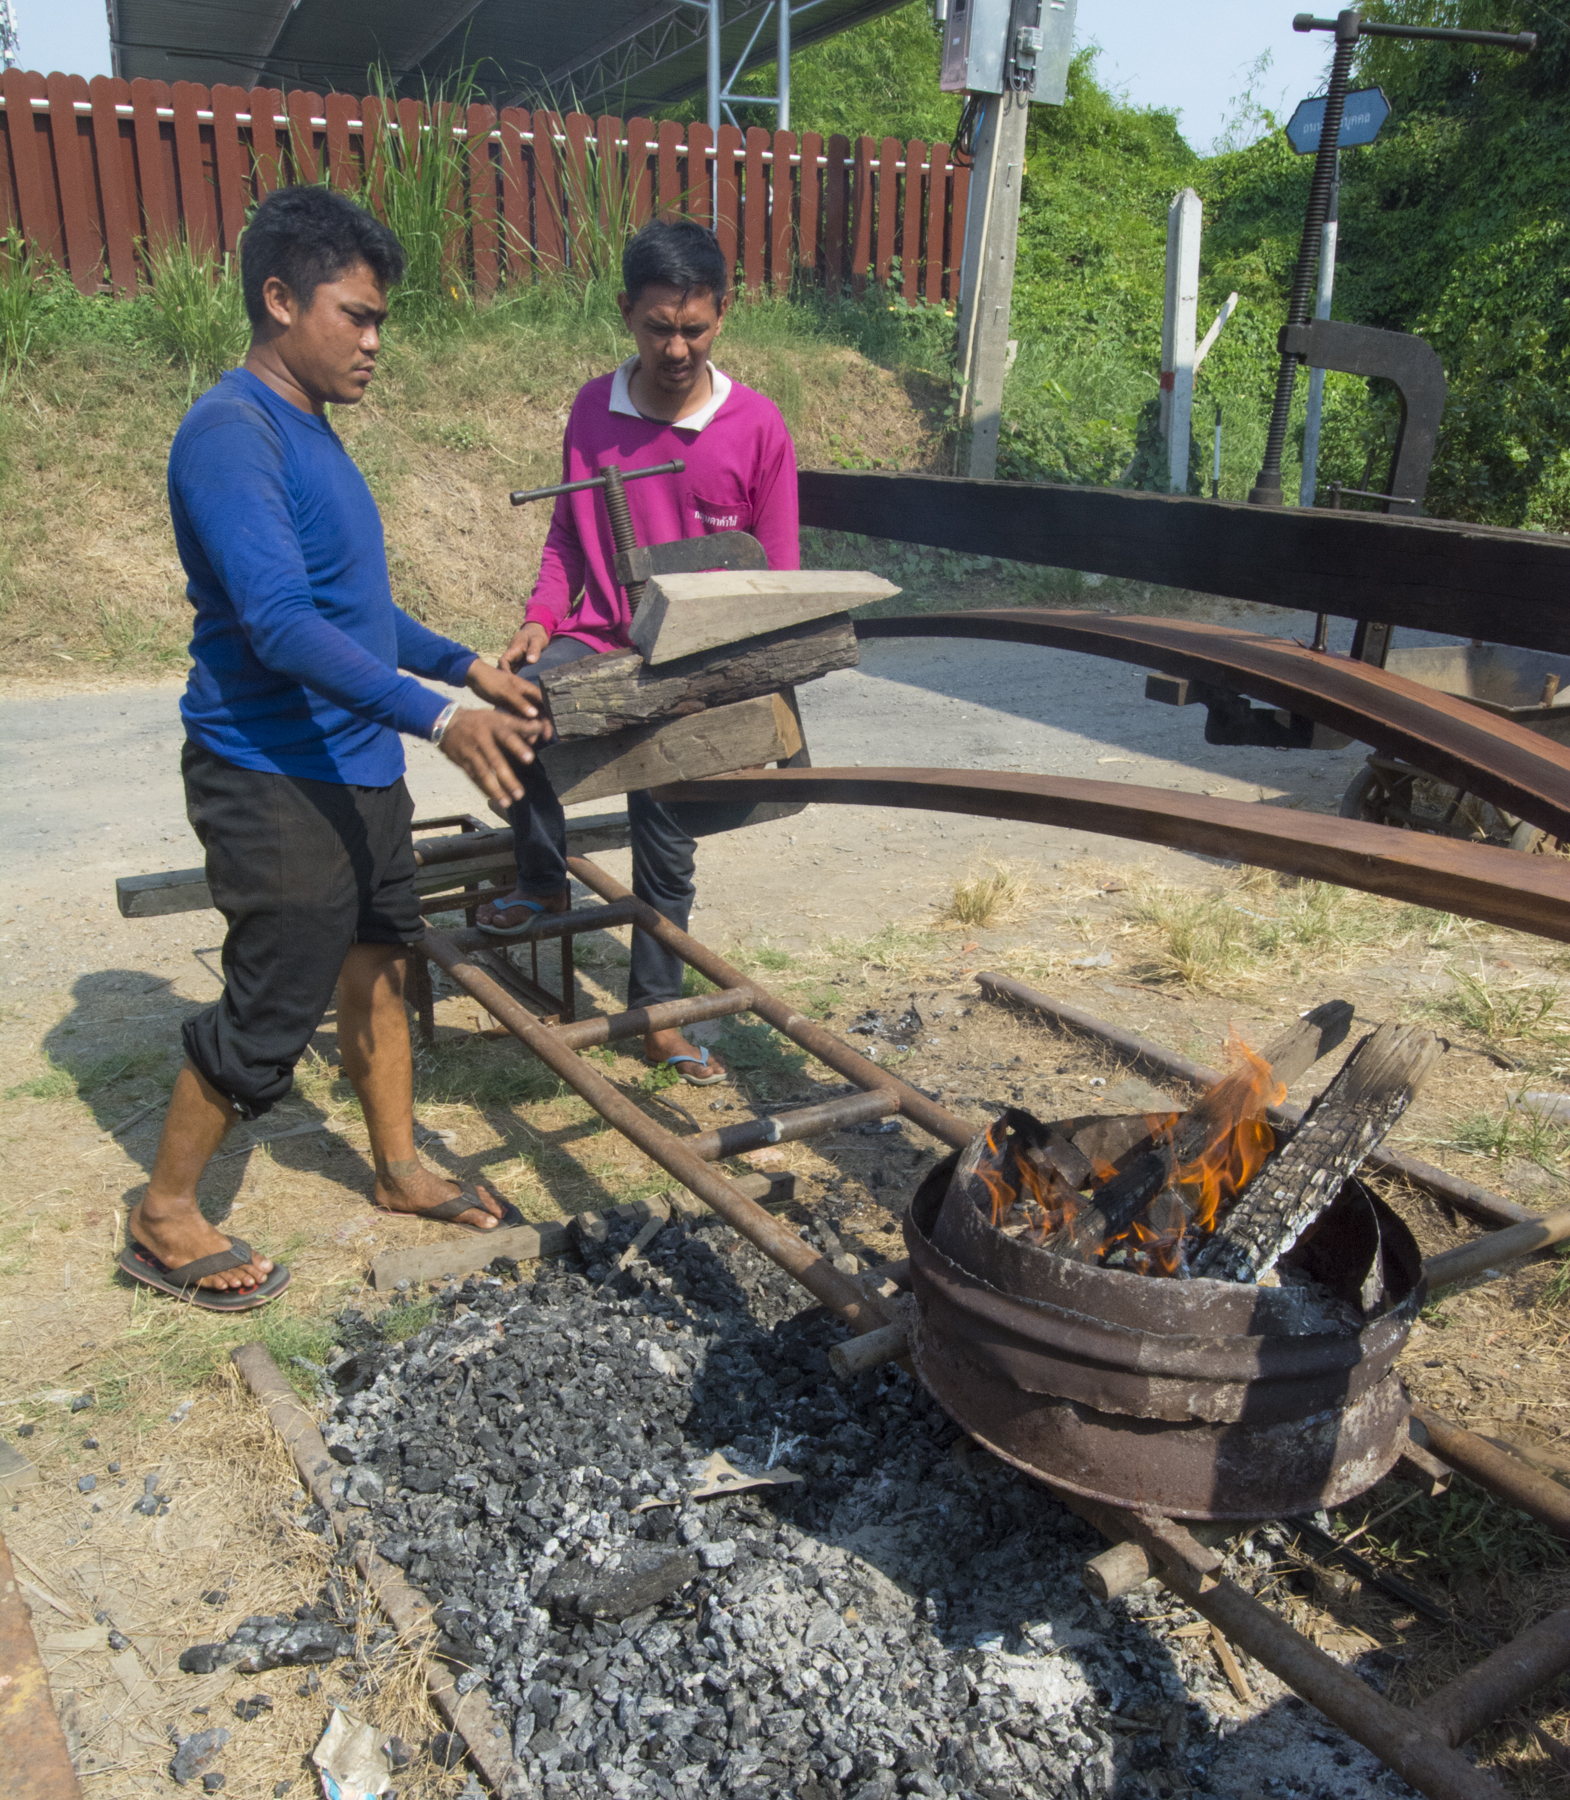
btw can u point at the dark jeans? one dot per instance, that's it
(301, 870)
(663, 855)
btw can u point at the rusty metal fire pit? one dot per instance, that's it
(1200, 1399)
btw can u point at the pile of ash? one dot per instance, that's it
(904, 1619)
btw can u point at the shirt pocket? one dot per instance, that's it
(721, 515)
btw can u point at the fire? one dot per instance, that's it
(1237, 1142)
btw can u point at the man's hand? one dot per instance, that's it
(504, 689)
(527, 643)
(482, 742)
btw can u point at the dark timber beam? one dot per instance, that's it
(1479, 752)
(1508, 587)
(1502, 887)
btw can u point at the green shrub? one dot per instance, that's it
(200, 320)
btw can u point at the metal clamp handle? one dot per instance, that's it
(523, 496)
(1521, 42)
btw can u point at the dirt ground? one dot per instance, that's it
(843, 909)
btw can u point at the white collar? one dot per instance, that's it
(621, 398)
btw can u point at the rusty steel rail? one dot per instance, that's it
(36, 1757)
(1488, 1208)
(1476, 751)
(1477, 881)
(1513, 1481)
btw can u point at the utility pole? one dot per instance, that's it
(987, 274)
(1316, 377)
(10, 50)
(1179, 325)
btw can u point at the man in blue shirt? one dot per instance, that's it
(293, 766)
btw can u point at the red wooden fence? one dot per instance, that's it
(97, 175)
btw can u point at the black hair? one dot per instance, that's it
(677, 253)
(308, 235)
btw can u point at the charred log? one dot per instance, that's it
(1358, 1108)
(1123, 1199)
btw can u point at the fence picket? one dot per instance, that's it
(671, 186)
(578, 187)
(78, 207)
(937, 211)
(266, 105)
(549, 203)
(116, 196)
(836, 215)
(482, 197)
(29, 165)
(910, 224)
(302, 108)
(861, 211)
(727, 194)
(640, 172)
(781, 224)
(159, 215)
(196, 210)
(516, 237)
(342, 169)
(809, 204)
(755, 204)
(888, 206)
(698, 195)
(954, 242)
(230, 160)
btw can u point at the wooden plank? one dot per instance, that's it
(196, 210)
(1522, 893)
(550, 207)
(740, 736)
(698, 198)
(30, 169)
(16, 1472)
(113, 153)
(611, 172)
(682, 615)
(836, 215)
(640, 171)
(727, 195)
(782, 262)
(481, 121)
(515, 232)
(303, 158)
(1435, 575)
(159, 216)
(671, 186)
(809, 208)
(342, 169)
(910, 221)
(74, 183)
(755, 210)
(38, 1763)
(597, 695)
(888, 207)
(266, 108)
(551, 1237)
(232, 164)
(937, 214)
(954, 243)
(10, 216)
(861, 210)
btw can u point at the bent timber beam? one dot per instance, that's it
(1480, 581)
(1476, 751)
(1502, 887)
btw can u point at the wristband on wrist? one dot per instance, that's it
(443, 719)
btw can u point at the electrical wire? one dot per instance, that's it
(969, 121)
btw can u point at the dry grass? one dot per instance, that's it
(996, 893)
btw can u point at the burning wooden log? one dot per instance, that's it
(1358, 1108)
(1230, 1115)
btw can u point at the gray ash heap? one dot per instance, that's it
(905, 1619)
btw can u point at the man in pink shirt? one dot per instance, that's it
(665, 403)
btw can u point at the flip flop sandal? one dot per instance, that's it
(465, 1200)
(707, 1079)
(504, 931)
(140, 1264)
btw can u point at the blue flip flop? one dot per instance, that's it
(502, 931)
(702, 1060)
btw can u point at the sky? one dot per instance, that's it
(1193, 59)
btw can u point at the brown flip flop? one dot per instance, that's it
(465, 1200)
(137, 1261)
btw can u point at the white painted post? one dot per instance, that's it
(1179, 324)
(715, 73)
(1309, 484)
(782, 51)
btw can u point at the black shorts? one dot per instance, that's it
(301, 870)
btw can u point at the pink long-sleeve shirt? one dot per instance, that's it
(740, 476)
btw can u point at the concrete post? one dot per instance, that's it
(1178, 325)
(782, 43)
(987, 274)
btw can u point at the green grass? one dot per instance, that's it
(400, 1322)
(79, 1079)
(1517, 1135)
(1521, 1012)
(1462, 1531)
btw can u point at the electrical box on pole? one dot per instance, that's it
(1002, 54)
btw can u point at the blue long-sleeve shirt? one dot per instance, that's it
(298, 645)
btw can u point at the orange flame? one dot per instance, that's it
(1240, 1140)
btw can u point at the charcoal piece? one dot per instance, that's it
(399, 1754)
(194, 1753)
(118, 1641)
(25, 1431)
(1372, 1091)
(213, 1780)
(81, 1403)
(253, 1706)
(201, 1659)
(86, 1483)
(642, 1582)
(215, 1597)
(447, 1749)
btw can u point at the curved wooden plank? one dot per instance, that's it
(1524, 893)
(1486, 755)
(1481, 581)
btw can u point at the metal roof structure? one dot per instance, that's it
(620, 56)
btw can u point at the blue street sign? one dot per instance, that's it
(1366, 110)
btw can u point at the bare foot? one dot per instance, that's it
(658, 1045)
(509, 913)
(410, 1187)
(177, 1234)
